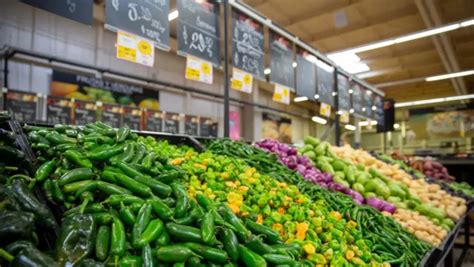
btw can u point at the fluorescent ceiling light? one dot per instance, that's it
(350, 127)
(316, 96)
(372, 46)
(339, 112)
(334, 93)
(367, 123)
(173, 15)
(363, 108)
(348, 61)
(434, 100)
(467, 23)
(319, 120)
(295, 64)
(351, 91)
(356, 68)
(396, 126)
(374, 107)
(300, 99)
(449, 75)
(427, 33)
(267, 71)
(351, 110)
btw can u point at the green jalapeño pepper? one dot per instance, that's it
(270, 235)
(184, 232)
(118, 238)
(131, 261)
(78, 158)
(45, 170)
(147, 256)
(231, 244)
(208, 228)
(102, 242)
(122, 134)
(75, 239)
(174, 253)
(151, 233)
(143, 218)
(105, 153)
(74, 175)
(209, 253)
(126, 215)
(182, 203)
(250, 258)
(134, 186)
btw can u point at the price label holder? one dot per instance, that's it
(281, 94)
(241, 81)
(198, 70)
(344, 117)
(135, 49)
(325, 110)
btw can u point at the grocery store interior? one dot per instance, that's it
(237, 133)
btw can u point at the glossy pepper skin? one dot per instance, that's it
(33, 257)
(143, 218)
(78, 158)
(151, 233)
(162, 210)
(173, 253)
(75, 239)
(16, 224)
(147, 256)
(209, 253)
(208, 228)
(118, 238)
(231, 244)
(74, 175)
(182, 203)
(270, 235)
(102, 242)
(184, 232)
(250, 258)
(45, 170)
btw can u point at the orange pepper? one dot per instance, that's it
(336, 215)
(301, 229)
(234, 208)
(350, 254)
(260, 219)
(281, 210)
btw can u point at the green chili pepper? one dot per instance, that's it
(258, 246)
(129, 153)
(163, 239)
(168, 177)
(157, 187)
(162, 210)
(205, 202)
(270, 235)
(57, 139)
(115, 200)
(75, 239)
(132, 185)
(147, 161)
(184, 232)
(147, 256)
(74, 175)
(111, 189)
(102, 242)
(150, 234)
(108, 176)
(77, 158)
(91, 208)
(173, 253)
(231, 218)
(118, 238)
(103, 218)
(105, 153)
(208, 228)
(279, 259)
(58, 195)
(209, 253)
(141, 151)
(76, 186)
(45, 170)
(182, 203)
(122, 134)
(231, 244)
(131, 261)
(193, 261)
(126, 215)
(250, 258)
(143, 218)
(48, 189)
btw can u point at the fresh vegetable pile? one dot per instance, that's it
(463, 187)
(415, 172)
(124, 204)
(428, 166)
(387, 238)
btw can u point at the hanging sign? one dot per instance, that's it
(325, 110)
(281, 94)
(144, 18)
(344, 117)
(281, 60)
(198, 70)
(135, 49)
(241, 81)
(325, 83)
(368, 103)
(305, 74)
(247, 44)
(78, 10)
(198, 29)
(357, 99)
(379, 111)
(343, 95)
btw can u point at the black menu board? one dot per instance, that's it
(305, 75)
(344, 97)
(172, 122)
(154, 121)
(148, 19)
(191, 125)
(21, 105)
(368, 103)
(78, 10)
(379, 111)
(281, 60)
(198, 29)
(84, 112)
(325, 83)
(132, 117)
(247, 44)
(58, 110)
(208, 127)
(357, 99)
(112, 115)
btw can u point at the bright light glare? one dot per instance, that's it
(426, 33)
(267, 71)
(300, 99)
(449, 75)
(319, 120)
(350, 127)
(173, 15)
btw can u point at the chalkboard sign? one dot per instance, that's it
(84, 112)
(112, 115)
(172, 122)
(21, 105)
(132, 117)
(344, 97)
(368, 103)
(247, 44)
(191, 125)
(208, 127)
(154, 121)
(281, 60)
(379, 111)
(305, 75)
(58, 110)
(325, 83)
(357, 99)
(148, 19)
(78, 10)
(198, 29)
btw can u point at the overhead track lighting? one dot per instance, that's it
(449, 75)
(300, 99)
(319, 120)
(434, 100)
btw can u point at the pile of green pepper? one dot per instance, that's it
(124, 205)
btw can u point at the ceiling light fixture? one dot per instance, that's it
(449, 75)
(300, 99)
(350, 62)
(351, 110)
(267, 71)
(351, 91)
(396, 126)
(319, 120)
(367, 123)
(295, 64)
(316, 96)
(173, 15)
(434, 100)
(427, 33)
(350, 127)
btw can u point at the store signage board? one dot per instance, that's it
(247, 44)
(154, 121)
(281, 60)
(58, 110)
(172, 122)
(78, 10)
(325, 83)
(379, 111)
(22, 105)
(145, 18)
(325, 110)
(84, 112)
(344, 97)
(191, 125)
(357, 99)
(135, 49)
(111, 115)
(241, 81)
(132, 117)
(344, 117)
(198, 70)
(305, 75)
(281, 94)
(368, 103)
(207, 127)
(198, 29)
